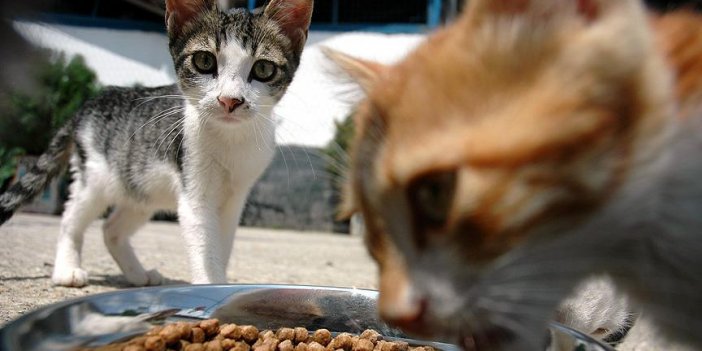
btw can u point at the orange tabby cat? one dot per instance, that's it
(528, 146)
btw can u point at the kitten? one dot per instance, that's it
(196, 148)
(526, 147)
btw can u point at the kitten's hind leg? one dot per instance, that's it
(81, 209)
(122, 223)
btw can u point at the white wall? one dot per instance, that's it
(307, 113)
(319, 95)
(119, 57)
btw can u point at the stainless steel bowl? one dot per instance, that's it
(100, 319)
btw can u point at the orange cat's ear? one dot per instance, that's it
(364, 73)
(589, 9)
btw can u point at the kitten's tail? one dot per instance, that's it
(49, 165)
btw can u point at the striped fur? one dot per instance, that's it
(526, 147)
(49, 165)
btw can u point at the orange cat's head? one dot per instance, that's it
(510, 127)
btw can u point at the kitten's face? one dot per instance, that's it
(235, 66)
(478, 153)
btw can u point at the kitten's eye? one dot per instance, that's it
(205, 62)
(432, 197)
(263, 71)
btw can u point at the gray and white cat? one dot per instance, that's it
(197, 147)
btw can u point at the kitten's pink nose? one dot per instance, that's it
(412, 321)
(230, 104)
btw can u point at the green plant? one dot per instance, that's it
(31, 120)
(8, 163)
(337, 149)
(336, 152)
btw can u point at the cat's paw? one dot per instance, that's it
(596, 308)
(148, 278)
(72, 277)
(155, 278)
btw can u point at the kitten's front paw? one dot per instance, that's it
(72, 277)
(149, 278)
(155, 278)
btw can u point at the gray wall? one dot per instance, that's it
(295, 192)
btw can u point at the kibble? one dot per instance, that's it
(155, 343)
(197, 335)
(270, 344)
(285, 334)
(343, 341)
(214, 345)
(227, 344)
(379, 345)
(301, 335)
(210, 335)
(363, 345)
(371, 335)
(195, 347)
(241, 346)
(322, 337)
(229, 331)
(170, 334)
(266, 334)
(301, 347)
(249, 333)
(210, 326)
(315, 346)
(286, 345)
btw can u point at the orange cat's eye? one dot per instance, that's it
(431, 197)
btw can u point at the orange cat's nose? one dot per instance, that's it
(229, 104)
(411, 320)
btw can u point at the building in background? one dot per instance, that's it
(124, 41)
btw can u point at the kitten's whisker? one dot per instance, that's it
(255, 125)
(147, 99)
(170, 132)
(179, 132)
(160, 116)
(309, 160)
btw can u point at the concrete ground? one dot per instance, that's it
(260, 256)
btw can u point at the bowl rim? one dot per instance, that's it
(49, 308)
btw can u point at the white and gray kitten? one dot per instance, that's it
(197, 147)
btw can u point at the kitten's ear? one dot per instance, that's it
(364, 73)
(180, 12)
(589, 9)
(293, 17)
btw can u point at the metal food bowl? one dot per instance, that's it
(115, 316)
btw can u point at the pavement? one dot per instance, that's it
(260, 256)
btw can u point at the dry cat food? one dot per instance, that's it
(210, 335)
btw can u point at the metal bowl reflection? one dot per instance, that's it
(100, 319)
